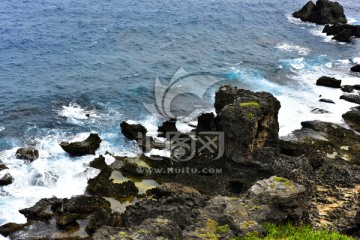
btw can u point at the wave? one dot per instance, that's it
(293, 48)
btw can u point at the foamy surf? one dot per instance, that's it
(293, 48)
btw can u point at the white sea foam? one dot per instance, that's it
(351, 20)
(356, 60)
(293, 48)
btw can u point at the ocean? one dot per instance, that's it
(63, 59)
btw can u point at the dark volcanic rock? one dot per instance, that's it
(85, 205)
(42, 210)
(10, 228)
(353, 119)
(3, 167)
(356, 68)
(29, 154)
(347, 88)
(343, 36)
(326, 100)
(324, 12)
(291, 148)
(99, 163)
(167, 127)
(88, 146)
(329, 82)
(351, 98)
(205, 122)
(133, 131)
(249, 121)
(67, 219)
(7, 179)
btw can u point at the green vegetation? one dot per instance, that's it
(288, 232)
(223, 229)
(250, 116)
(284, 181)
(250, 104)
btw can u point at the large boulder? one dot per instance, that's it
(7, 179)
(355, 68)
(324, 12)
(88, 146)
(249, 121)
(328, 82)
(353, 119)
(133, 131)
(343, 36)
(351, 98)
(29, 154)
(167, 127)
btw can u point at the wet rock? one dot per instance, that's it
(342, 29)
(67, 219)
(205, 122)
(167, 127)
(9, 228)
(29, 154)
(42, 210)
(347, 88)
(132, 170)
(85, 205)
(133, 131)
(319, 111)
(249, 121)
(98, 219)
(327, 100)
(99, 163)
(351, 98)
(355, 68)
(343, 36)
(7, 179)
(353, 119)
(329, 82)
(88, 146)
(3, 167)
(324, 12)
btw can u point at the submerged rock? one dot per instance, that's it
(324, 12)
(319, 111)
(88, 146)
(29, 154)
(329, 82)
(3, 167)
(327, 100)
(7, 179)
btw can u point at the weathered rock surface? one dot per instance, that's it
(88, 146)
(205, 122)
(324, 12)
(342, 32)
(7, 179)
(329, 82)
(353, 118)
(347, 88)
(351, 98)
(29, 154)
(357, 67)
(133, 131)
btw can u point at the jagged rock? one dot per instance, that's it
(88, 146)
(9, 228)
(327, 100)
(205, 123)
(351, 98)
(324, 12)
(167, 127)
(67, 219)
(7, 179)
(347, 88)
(329, 82)
(355, 68)
(42, 210)
(249, 121)
(3, 167)
(98, 163)
(319, 111)
(353, 119)
(343, 36)
(85, 205)
(29, 154)
(133, 131)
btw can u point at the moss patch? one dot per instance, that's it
(284, 181)
(249, 104)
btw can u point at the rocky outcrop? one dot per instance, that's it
(357, 67)
(205, 123)
(352, 118)
(29, 154)
(351, 98)
(324, 12)
(167, 127)
(328, 82)
(88, 146)
(7, 179)
(342, 32)
(249, 121)
(133, 131)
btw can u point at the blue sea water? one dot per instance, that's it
(61, 59)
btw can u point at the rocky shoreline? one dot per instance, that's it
(311, 177)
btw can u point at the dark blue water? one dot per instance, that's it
(103, 57)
